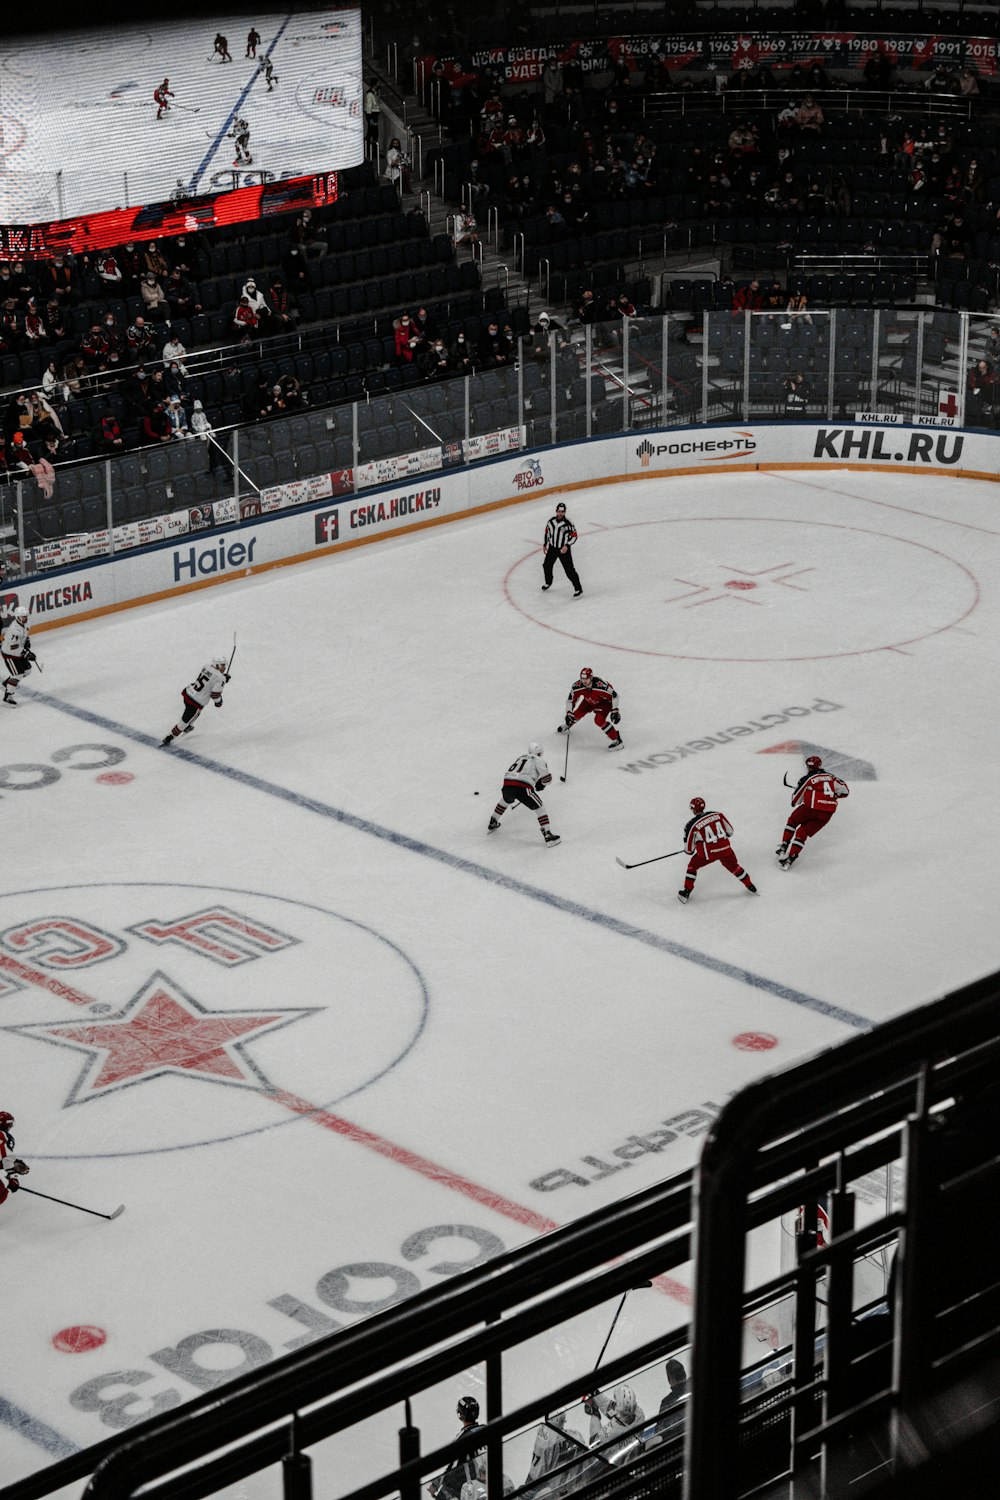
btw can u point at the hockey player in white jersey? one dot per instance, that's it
(17, 653)
(522, 783)
(240, 133)
(617, 1415)
(208, 684)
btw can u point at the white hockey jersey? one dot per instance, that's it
(528, 770)
(208, 684)
(16, 639)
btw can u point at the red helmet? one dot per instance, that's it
(6, 1119)
(586, 673)
(697, 804)
(813, 762)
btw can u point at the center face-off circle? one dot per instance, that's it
(131, 1041)
(755, 589)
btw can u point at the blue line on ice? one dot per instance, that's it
(192, 186)
(35, 1431)
(470, 867)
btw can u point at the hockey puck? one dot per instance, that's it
(475, 794)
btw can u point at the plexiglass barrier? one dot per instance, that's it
(844, 364)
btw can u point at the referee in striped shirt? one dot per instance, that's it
(560, 534)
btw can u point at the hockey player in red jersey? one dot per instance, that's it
(592, 695)
(706, 838)
(10, 1166)
(161, 94)
(814, 802)
(522, 783)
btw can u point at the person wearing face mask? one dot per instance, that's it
(173, 352)
(113, 338)
(109, 271)
(56, 281)
(462, 361)
(154, 299)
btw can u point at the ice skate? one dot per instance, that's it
(781, 850)
(493, 825)
(752, 889)
(578, 594)
(684, 896)
(550, 837)
(787, 862)
(616, 744)
(8, 697)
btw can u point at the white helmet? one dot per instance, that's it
(624, 1404)
(535, 748)
(20, 613)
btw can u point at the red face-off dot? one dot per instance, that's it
(755, 1041)
(115, 778)
(79, 1339)
(740, 583)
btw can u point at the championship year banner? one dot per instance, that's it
(736, 50)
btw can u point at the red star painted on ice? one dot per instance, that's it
(163, 1030)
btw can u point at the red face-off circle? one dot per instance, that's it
(80, 1339)
(755, 1041)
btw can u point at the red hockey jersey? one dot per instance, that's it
(820, 792)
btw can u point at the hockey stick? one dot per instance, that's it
(786, 781)
(232, 654)
(36, 663)
(66, 1203)
(188, 108)
(652, 861)
(566, 765)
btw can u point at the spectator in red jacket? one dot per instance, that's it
(111, 433)
(404, 336)
(748, 297)
(245, 320)
(155, 427)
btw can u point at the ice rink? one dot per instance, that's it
(277, 991)
(79, 130)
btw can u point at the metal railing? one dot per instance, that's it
(843, 1382)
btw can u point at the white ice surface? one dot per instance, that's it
(79, 127)
(486, 1005)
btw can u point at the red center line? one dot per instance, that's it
(444, 1176)
(401, 1155)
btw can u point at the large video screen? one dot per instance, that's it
(155, 221)
(115, 118)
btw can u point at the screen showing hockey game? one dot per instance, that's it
(106, 118)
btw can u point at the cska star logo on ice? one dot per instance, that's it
(182, 1015)
(529, 476)
(163, 1030)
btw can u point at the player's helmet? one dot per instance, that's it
(6, 1119)
(535, 748)
(624, 1404)
(813, 762)
(219, 664)
(20, 613)
(468, 1409)
(586, 673)
(697, 804)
